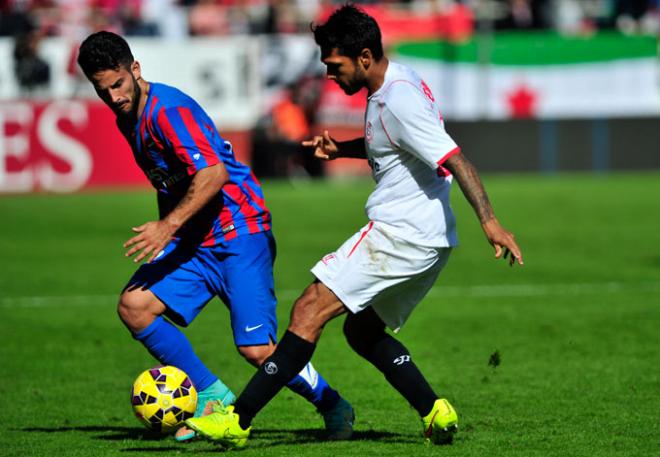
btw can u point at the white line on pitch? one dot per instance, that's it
(497, 290)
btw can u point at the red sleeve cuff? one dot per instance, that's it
(442, 171)
(453, 152)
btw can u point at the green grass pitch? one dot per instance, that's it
(577, 328)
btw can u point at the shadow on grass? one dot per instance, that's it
(117, 433)
(299, 436)
(259, 438)
(269, 438)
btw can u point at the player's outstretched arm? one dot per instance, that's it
(153, 236)
(468, 179)
(325, 148)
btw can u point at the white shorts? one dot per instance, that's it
(375, 268)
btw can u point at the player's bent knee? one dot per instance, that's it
(306, 312)
(137, 310)
(256, 355)
(125, 310)
(315, 307)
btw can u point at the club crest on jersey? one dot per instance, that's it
(369, 132)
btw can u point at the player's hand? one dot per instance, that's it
(151, 238)
(325, 147)
(503, 241)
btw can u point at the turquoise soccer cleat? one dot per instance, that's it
(339, 421)
(214, 393)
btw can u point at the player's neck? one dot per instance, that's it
(376, 76)
(144, 96)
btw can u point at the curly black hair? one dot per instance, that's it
(104, 51)
(349, 30)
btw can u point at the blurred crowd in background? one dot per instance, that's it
(179, 18)
(290, 115)
(29, 21)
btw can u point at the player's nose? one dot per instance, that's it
(115, 95)
(117, 99)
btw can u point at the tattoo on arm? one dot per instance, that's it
(468, 179)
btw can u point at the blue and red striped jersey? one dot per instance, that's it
(173, 139)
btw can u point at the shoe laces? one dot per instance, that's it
(218, 407)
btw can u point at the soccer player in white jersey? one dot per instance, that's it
(380, 273)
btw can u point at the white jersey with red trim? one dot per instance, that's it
(406, 145)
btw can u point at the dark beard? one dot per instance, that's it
(137, 93)
(351, 89)
(131, 117)
(356, 84)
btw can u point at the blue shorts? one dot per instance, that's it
(239, 271)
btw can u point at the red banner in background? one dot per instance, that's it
(454, 22)
(67, 145)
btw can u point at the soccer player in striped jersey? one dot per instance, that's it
(213, 236)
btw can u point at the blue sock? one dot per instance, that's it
(311, 385)
(170, 346)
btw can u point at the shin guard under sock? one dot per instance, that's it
(291, 355)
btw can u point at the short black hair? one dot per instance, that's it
(350, 30)
(104, 51)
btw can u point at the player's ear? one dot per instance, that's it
(135, 69)
(365, 58)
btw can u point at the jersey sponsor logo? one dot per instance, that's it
(270, 368)
(369, 132)
(401, 360)
(156, 175)
(174, 179)
(427, 91)
(251, 329)
(159, 177)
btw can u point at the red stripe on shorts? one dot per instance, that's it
(371, 224)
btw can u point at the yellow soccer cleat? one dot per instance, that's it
(441, 423)
(221, 426)
(207, 399)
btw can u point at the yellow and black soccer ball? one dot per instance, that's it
(163, 397)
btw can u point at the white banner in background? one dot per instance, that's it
(222, 74)
(236, 79)
(466, 91)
